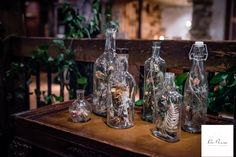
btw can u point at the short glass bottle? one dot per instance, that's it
(120, 111)
(154, 75)
(80, 110)
(195, 90)
(104, 66)
(167, 111)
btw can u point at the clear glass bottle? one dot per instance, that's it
(195, 91)
(167, 111)
(154, 75)
(104, 66)
(80, 110)
(120, 111)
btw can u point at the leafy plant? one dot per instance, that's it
(139, 102)
(108, 19)
(77, 26)
(51, 98)
(15, 73)
(222, 92)
(64, 63)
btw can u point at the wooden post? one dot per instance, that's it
(37, 91)
(140, 3)
(62, 85)
(49, 78)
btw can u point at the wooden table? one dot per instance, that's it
(49, 128)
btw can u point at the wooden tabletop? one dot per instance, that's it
(135, 141)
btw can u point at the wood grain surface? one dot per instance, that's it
(222, 54)
(51, 129)
(43, 127)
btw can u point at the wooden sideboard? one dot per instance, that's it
(49, 128)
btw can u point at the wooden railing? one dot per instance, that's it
(82, 66)
(222, 55)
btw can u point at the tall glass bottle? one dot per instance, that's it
(120, 111)
(167, 111)
(154, 73)
(80, 110)
(104, 66)
(195, 91)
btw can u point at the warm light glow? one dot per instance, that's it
(188, 24)
(155, 37)
(161, 37)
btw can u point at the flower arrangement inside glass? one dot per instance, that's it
(120, 109)
(167, 111)
(154, 75)
(104, 66)
(195, 90)
(80, 110)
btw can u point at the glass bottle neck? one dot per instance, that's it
(198, 63)
(110, 45)
(80, 94)
(156, 51)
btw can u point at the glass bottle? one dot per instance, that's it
(154, 74)
(104, 66)
(120, 111)
(80, 110)
(167, 111)
(195, 91)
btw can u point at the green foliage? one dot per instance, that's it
(64, 63)
(108, 18)
(14, 70)
(52, 98)
(180, 81)
(82, 81)
(108, 13)
(218, 78)
(222, 91)
(40, 54)
(16, 73)
(139, 102)
(59, 43)
(148, 87)
(77, 26)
